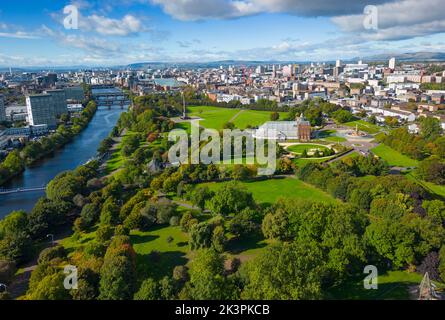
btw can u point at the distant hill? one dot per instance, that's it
(408, 57)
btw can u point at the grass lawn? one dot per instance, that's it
(216, 117)
(431, 187)
(393, 285)
(169, 255)
(330, 135)
(363, 126)
(299, 148)
(254, 118)
(301, 162)
(184, 126)
(393, 157)
(213, 117)
(269, 191)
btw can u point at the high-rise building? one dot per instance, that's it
(75, 93)
(41, 110)
(51, 79)
(338, 63)
(58, 101)
(2, 109)
(392, 63)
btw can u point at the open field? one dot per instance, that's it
(254, 118)
(364, 126)
(393, 285)
(269, 191)
(393, 157)
(216, 117)
(167, 255)
(213, 117)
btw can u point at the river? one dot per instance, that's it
(77, 152)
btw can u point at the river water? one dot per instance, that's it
(79, 151)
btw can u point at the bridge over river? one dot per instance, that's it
(21, 190)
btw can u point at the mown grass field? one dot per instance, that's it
(213, 117)
(393, 285)
(168, 254)
(269, 191)
(254, 118)
(216, 117)
(393, 157)
(364, 126)
(299, 148)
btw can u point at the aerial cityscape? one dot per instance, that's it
(222, 150)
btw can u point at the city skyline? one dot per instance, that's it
(117, 33)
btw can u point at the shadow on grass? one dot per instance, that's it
(236, 246)
(355, 290)
(137, 239)
(160, 267)
(182, 244)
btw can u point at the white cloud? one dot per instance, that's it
(227, 9)
(403, 19)
(128, 25)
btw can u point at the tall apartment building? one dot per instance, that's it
(59, 101)
(41, 110)
(2, 109)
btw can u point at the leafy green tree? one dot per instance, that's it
(286, 272)
(117, 275)
(201, 236)
(207, 280)
(430, 128)
(200, 195)
(218, 238)
(231, 198)
(63, 187)
(149, 290)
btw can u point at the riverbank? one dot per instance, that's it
(16, 162)
(78, 151)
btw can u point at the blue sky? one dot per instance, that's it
(115, 32)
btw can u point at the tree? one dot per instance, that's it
(90, 214)
(231, 198)
(201, 236)
(343, 116)
(430, 128)
(87, 285)
(286, 272)
(149, 290)
(207, 280)
(117, 275)
(110, 212)
(63, 187)
(218, 238)
(432, 170)
(274, 116)
(200, 195)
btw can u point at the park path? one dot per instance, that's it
(20, 284)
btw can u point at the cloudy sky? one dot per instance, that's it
(116, 32)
